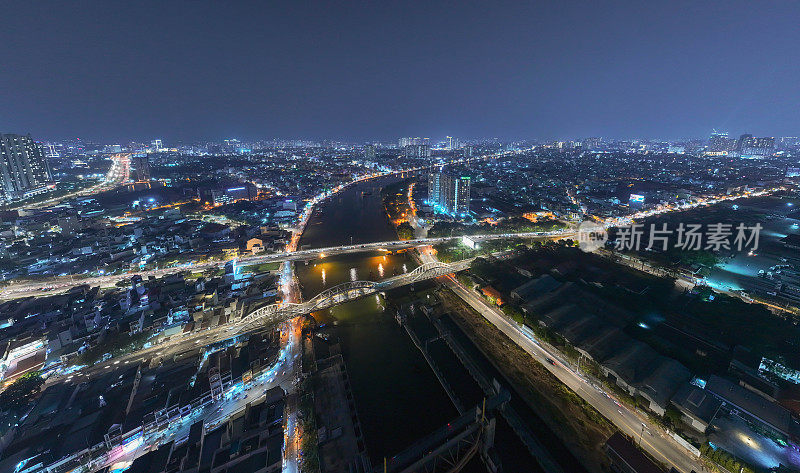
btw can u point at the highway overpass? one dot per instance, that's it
(26, 288)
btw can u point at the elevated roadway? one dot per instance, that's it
(651, 437)
(216, 409)
(64, 283)
(117, 174)
(265, 316)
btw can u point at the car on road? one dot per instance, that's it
(550, 360)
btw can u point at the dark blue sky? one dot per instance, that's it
(114, 71)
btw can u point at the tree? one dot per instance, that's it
(21, 391)
(514, 313)
(405, 231)
(672, 417)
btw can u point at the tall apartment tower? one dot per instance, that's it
(720, 143)
(369, 152)
(24, 171)
(461, 188)
(434, 183)
(403, 142)
(750, 146)
(417, 151)
(141, 166)
(449, 194)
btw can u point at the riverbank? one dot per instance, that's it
(578, 426)
(397, 397)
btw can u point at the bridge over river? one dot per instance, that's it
(345, 292)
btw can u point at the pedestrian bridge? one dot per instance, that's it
(345, 292)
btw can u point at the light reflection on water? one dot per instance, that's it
(384, 367)
(339, 269)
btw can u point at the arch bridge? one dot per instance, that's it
(345, 292)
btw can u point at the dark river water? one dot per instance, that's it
(397, 396)
(354, 214)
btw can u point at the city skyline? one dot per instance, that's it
(399, 237)
(536, 71)
(437, 142)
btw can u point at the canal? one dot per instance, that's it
(397, 396)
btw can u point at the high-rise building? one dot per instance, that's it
(52, 152)
(434, 182)
(740, 143)
(750, 146)
(413, 141)
(369, 152)
(720, 144)
(592, 143)
(141, 165)
(452, 143)
(788, 142)
(449, 194)
(156, 145)
(461, 189)
(24, 170)
(417, 151)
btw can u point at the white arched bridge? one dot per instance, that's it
(345, 292)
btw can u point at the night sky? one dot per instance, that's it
(182, 71)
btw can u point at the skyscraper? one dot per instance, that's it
(592, 143)
(369, 152)
(720, 143)
(434, 181)
(23, 168)
(750, 146)
(413, 141)
(449, 194)
(51, 151)
(417, 151)
(740, 143)
(141, 165)
(788, 142)
(461, 189)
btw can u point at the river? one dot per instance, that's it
(398, 398)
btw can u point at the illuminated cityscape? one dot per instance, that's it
(23, 168)
(400, 238)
